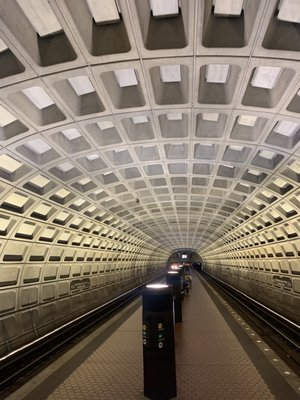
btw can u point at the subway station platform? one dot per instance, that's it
(218, 356)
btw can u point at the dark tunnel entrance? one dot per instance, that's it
(185, 257)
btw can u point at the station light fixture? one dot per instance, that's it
(6, 117)
(103, 125)
(228, 8)
(126, 77)
(170, 73)
(217, 73)
(65, 166)
(286, 128)
(39, 181)
(41, 17)
(3, 46)
(174, 117)
(247, 120)
(212, 117)
(104, 11)
(38, 96)
(254, 172)
(62, 193)
(157, 286)
(140, 119)
(235, 148)
(9, 164)
(82, 85)
(71, 134)
(266, 77)
(92, 157)
(37, 146)
(164, 8)
(269, 155)
(289, 11)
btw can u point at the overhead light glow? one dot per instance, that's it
(156, 286)
(79, 202)
(9, 164)
(37, 146)
(247, 120)
(140, 119)
(3, 46)
(62, 193)
(289, 10)
(39, 181)
(6, 117)
(213, 117)
(126, 77)
(295, 166)
(104, 11)
(174, 117)
(105, 125)
(254, 172)
(228, 7)
(164, 8)
(93, 157)
(217, 73)
(266, 77)
(82, 85)
(38, 96)
(84, 181)
(71, 134)
(269, 155)
(280, 183)
(170, 73)
(236, 148)
(65, 167)
(41, 16)
(286, 128)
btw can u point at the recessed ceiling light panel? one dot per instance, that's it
(38, 96)
(213, 117)
(37, 146)
(65, 167)
(269, 155)
(266, 77)
(286, 128)
(3, 46)
(104, 11)
(82, 85)
(41, 16)
(6, 117)
(126, 77)
(174, 117)
(105, 125)
(140, 119)
(170, 73)
(227, 8)
(217, 73)
(289, 10)
(71, 134)
(164, 8)
(9, 164)
(247, 120)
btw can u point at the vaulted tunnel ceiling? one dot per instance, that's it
(173, 125)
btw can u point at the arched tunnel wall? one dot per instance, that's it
(125, 136)
(261, 257)
(50, 274)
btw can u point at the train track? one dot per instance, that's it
(15, 366)
(281, 333)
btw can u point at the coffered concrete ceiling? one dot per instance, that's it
(176, 126)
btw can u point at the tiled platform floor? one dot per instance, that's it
(211, 360)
